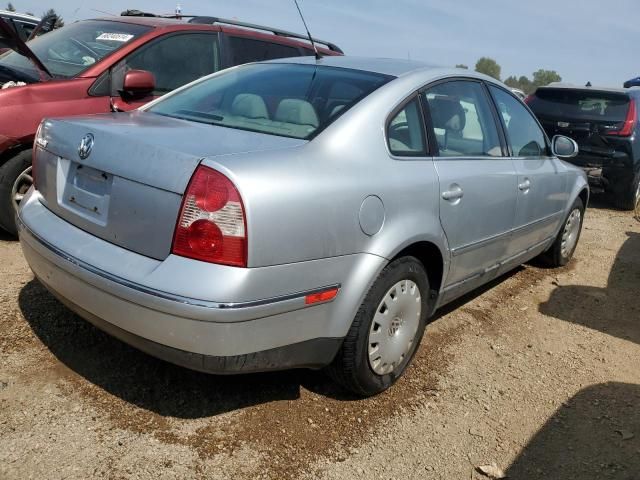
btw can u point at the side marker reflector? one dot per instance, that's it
(320, 297)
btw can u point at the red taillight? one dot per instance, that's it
(211, 226)
(629, 122)
(528, 99)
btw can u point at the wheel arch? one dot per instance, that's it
(431, 258)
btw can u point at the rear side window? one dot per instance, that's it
(406, 132)
(523, 132)
(246, 50)
(580, 105)
(174, 60)
(461, 119)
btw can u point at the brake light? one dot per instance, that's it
(528, 99)
(629, 123)
(211, 226)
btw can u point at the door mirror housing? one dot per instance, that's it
(138, 83)
(564, 147)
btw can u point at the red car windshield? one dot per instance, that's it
(70, 50)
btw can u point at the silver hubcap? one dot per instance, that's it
(20, 187)
(571, 232)
(394, 327)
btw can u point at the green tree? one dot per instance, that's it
(59, 21)
(512, 82)
(489, 66)
(462, 65)
(545, 77)
(10, 7)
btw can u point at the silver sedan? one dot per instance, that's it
(297, 213)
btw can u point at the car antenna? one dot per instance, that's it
(313, 44)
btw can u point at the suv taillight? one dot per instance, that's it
(528, 99)
(629, 122)
(211, 226)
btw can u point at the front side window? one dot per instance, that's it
(246, 50)
(174, 61)
(461, 118)
(68, 51)
(406, 132)
(523, 132)
(289, 100)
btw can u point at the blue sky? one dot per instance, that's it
(583, 40)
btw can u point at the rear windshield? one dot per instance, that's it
(580, 105)
(288, 100)
(69, 50)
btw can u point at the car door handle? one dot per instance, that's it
(455, 193)
(526, 185)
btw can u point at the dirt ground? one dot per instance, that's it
(539, 373)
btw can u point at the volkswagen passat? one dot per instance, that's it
(300, 213)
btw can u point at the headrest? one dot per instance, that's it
(447, 113)
(249, 105)
(296, 111)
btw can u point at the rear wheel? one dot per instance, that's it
(567, 240)
(15, 180)
(629, 198)
(386, 331)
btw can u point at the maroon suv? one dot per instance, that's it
(113, 64)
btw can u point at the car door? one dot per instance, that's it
(477, 181)
(542, 194)
(174, 60)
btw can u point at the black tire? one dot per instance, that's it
(629, 197)
(557, 256)
(9, 173)
(351, 367)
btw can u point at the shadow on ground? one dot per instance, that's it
(593, 436)
(148, 382)
(614, 310)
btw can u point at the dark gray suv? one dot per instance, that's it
(604, 123)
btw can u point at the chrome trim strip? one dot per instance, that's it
(481, 243)
(169, 296)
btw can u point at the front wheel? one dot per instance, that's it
(386, 331)
(15, 180)
(567, 240)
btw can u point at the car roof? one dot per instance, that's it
(396, 67)
(20, 16)
(583, 88)
(385, 66)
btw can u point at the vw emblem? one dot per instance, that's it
(86, 144)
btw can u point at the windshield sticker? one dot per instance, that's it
(115, 37)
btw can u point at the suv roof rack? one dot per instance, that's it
(204, 20)
(276, 31)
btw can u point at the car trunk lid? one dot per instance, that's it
(121, 177)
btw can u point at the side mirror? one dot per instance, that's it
(564, 147)
(138, 83)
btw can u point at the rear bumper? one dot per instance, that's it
(268, 332)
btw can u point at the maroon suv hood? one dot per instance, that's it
(9, 39)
